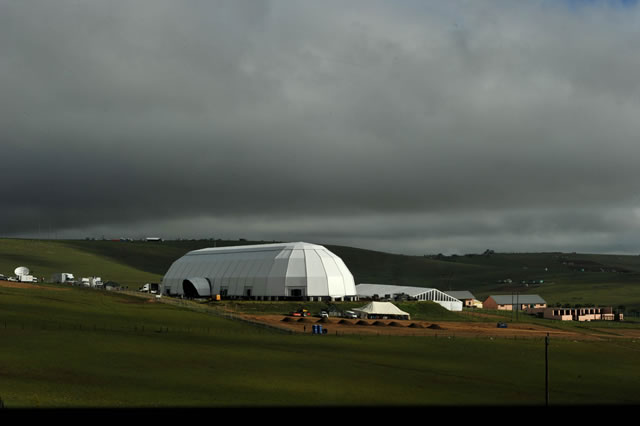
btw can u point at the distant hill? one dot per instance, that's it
(566, 278)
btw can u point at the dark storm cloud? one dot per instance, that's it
(426, 125)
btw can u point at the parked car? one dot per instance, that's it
(350, 314)
(324, 314)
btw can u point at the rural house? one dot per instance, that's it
(510, 302)
(465, 297)
(581, 314)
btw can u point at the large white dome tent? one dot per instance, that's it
(264, 272)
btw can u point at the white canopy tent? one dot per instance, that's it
(384, 310)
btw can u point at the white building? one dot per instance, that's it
(385, 291)
(264, 272)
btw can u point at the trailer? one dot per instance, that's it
(63, 278)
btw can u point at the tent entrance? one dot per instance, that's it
(297, 292)
(194, 288)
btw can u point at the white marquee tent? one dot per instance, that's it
(381, 310)
(265, 271)
(385, 291)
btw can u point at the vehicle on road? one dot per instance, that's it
(153, 288)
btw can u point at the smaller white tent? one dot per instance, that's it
(383, 310)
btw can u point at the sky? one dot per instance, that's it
(406, 126)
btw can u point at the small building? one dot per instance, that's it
(465, 297)
(396, 292)
(581, 314)
(381, 310)
(518, 302)
(477, 304)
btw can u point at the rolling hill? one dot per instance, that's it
(565, 278)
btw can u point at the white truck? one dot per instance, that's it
(28, 279)
(153, 288)
(91, 282)
(63, 278)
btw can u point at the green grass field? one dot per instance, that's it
(89, 348)
(73, 347)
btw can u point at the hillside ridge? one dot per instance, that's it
(558, 277)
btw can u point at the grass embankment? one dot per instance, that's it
(75, 347)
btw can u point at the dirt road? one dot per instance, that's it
(14, 284)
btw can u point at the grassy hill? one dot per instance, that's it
(44, 258)
(567, 278)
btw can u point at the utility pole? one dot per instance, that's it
(546, 370)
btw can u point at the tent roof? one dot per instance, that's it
(384, 308)
(508, 299)
(256, 247)
(382, 289)
(460, 295)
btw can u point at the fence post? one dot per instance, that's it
(546, 370)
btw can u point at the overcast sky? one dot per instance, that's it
(408, 126)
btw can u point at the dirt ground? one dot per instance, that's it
(442, 328)
(13, 284)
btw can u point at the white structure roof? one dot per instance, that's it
(419, 293)
(263, 270)
(461, 294)
(509, 299)
(369, 290)
(256, 247)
